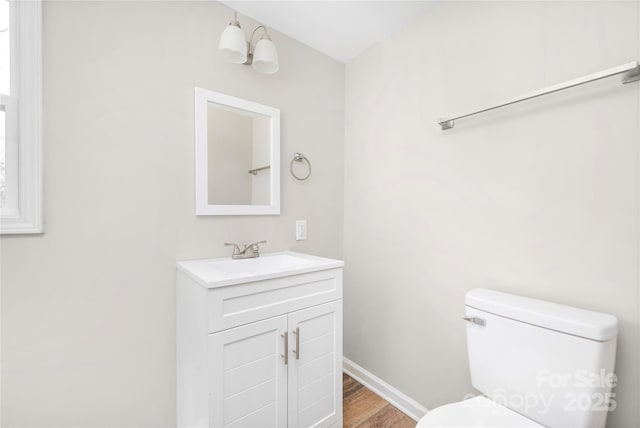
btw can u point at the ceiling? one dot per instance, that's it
(340, 29)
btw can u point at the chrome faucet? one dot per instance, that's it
(250, 251)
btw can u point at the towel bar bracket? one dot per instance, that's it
(446, 123)
(631, 75)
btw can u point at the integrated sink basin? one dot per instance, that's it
(258, 265)
(226, 271)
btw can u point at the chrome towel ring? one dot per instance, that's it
(299, 157)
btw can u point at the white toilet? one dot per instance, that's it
(540, 364)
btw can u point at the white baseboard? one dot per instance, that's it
(401, 401)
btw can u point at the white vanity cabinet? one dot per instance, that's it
(259, 342)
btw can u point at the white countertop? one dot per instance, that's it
(220, 272)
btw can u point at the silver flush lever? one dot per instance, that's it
(474, 320)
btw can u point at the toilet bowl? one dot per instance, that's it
(475, 412)
(518, 348)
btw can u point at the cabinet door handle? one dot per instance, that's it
(297, 350)
(286, 347)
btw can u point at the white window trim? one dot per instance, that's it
(27, 22)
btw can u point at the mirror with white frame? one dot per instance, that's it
(237, 156)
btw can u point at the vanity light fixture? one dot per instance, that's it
(233, 45)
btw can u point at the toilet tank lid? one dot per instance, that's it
(554, 316)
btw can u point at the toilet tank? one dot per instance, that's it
(550, 362)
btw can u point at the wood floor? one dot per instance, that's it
(364, 409)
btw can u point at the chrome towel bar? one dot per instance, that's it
(631, 72)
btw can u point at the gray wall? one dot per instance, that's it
(540, 199)
(88, 308)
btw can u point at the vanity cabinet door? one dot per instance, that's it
(248, 377)
(315, 366)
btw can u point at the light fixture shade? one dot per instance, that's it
(233, 44)
(265, 56)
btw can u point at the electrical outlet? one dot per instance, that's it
(301, 230)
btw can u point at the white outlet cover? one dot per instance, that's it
(301, 230)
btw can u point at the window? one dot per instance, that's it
(20, 116)
(5, 93)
